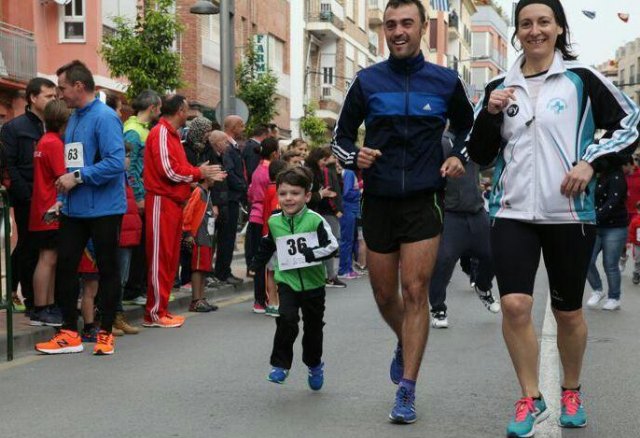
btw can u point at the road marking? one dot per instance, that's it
(36, 356)
(549, 375)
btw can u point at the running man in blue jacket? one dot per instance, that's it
(405, 103)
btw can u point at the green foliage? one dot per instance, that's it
(313, 127)
(257, 89)
(142, 50)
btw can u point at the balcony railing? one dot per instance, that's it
(327, 92)
(324, 11)
(17, 53)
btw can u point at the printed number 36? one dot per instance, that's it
(296, 246)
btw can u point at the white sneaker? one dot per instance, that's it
(611, 304)
(596, 297)
(439, 320)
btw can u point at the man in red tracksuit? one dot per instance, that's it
(167, 179)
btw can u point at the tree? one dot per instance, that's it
(313, 127)
(142, 50)
(257, 87)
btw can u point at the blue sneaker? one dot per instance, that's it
(572, 412)
(529, 412)
(278, 375)
(397, 366)
(90, 335)
(404, 411)
(316, 377)
(48, 317)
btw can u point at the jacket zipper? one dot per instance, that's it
(291, 219)
(535, 165)
(406, 124)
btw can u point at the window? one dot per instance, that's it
(276, 54)
(362, 14)
(632, 74)
(72, 22)
(622, 77)
(349, 8)
(349, 62)
(211, 41)
(327, 75)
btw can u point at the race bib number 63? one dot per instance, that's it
(290, 250)
(74, 155)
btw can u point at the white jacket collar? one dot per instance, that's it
(515, 78)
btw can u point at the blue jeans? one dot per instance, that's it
(124, 259)
(610, 241)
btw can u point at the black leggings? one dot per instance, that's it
(73, 238)
(566, 249)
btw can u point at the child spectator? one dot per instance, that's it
(48, 166)
(301, 238)
(293, 157)
(271, 205)
(89, 278)
(268, 151)
(351, 208)
(634, 238)
(199, 225)
(130, 237)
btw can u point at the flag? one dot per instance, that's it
(623, 17)
(440, 5)
(590, 14)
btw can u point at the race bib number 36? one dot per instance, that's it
(290, 250)
(74, 155)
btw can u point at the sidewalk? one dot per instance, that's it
(26, 336)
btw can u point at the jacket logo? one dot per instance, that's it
(557, 105)
(427, 107)
(513, 110)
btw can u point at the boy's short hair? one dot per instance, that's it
(275, 167)
(56, 114)
(295, 176)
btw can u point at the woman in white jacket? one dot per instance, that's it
(538, 122)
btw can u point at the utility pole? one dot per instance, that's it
(227, 64)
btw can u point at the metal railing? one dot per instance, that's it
(17, 53)
(328, 92)
(6, 300)
(323, 11)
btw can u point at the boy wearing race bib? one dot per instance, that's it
(302, 239)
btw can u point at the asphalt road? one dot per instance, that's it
(207, 379)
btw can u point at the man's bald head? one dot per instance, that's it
(218, 141)
(233, 126)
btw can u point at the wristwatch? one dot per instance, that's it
(77, 176)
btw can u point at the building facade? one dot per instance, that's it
(628, 62)
(459, 37)
(38, 36)
(489, 46)
(264, 22)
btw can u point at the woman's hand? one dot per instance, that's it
(499, 100)
(575, 182)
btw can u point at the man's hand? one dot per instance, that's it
(140, 205)
(53, 213)
(499, 100)
(210, 171)
(216, 211)
(219, 176)
(367, 156)
(66, 182)
(575, 182)
(452, 167)
(339, 214)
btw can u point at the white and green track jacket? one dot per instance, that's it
(535, 148)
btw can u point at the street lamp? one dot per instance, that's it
(204, 7)
(227, 72)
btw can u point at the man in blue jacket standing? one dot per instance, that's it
(405, 103)
(91, 206)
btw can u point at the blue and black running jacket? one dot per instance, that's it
(405, 105)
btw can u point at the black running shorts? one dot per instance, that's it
(389, 222)
(566, 248)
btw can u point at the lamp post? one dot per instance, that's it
(227, 72)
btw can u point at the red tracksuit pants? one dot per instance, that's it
(163, 221)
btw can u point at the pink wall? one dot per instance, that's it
(52, 54)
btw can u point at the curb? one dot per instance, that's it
(24, 341)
